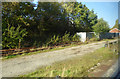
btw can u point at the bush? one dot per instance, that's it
(54, 40)
(66, 38)
(12, 37)
(94, 39)
(75, 38)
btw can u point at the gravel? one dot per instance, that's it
(27, 64)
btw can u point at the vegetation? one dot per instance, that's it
(59, 47)
(101, 27)
(48, 21)
(76, 67)
(42, 51)
(12, 37)
(94, 39)
(116, 24)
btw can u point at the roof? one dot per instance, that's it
(114, 30)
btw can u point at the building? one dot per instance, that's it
(114, 30)
(85, 35)
(109, 35)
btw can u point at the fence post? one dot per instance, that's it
(108, 44)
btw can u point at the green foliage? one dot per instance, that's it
(66, 38)
(54, 40)
(94, 39)
(116, 24)
(11, 36)
(75, 37)
(82, 18)
(49, 18)
(101, 27)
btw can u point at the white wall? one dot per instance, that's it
(82, 36)
(85, 35)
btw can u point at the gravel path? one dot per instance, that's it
(26, 64)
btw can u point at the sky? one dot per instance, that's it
(106, 10)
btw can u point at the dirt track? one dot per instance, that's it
(25, 64)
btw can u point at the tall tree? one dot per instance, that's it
(81, 17)
(15, 14)
(101, 27)
(116, 24)
(48, 19)
(51, 18)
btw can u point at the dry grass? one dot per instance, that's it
(75, 67)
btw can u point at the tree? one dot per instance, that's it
(11, 37)
(101, 27)
(80, 16)
(92, 19)
(116, 24)
(16, 15)
(47, 20)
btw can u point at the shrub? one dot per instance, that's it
(66, 38)
(54, 40)
(12, 37)
(94, 39)
(75, 38)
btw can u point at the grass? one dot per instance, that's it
(77, 66)
(58, 48)
(41, 51)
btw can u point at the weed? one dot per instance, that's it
(76, 66)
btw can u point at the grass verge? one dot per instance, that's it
(47, 50)
(77, 66)
(41, 51)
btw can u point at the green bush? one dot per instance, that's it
(12, 37)
(94, 39)
(75, 38)
(66, 38)
(54, 40)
